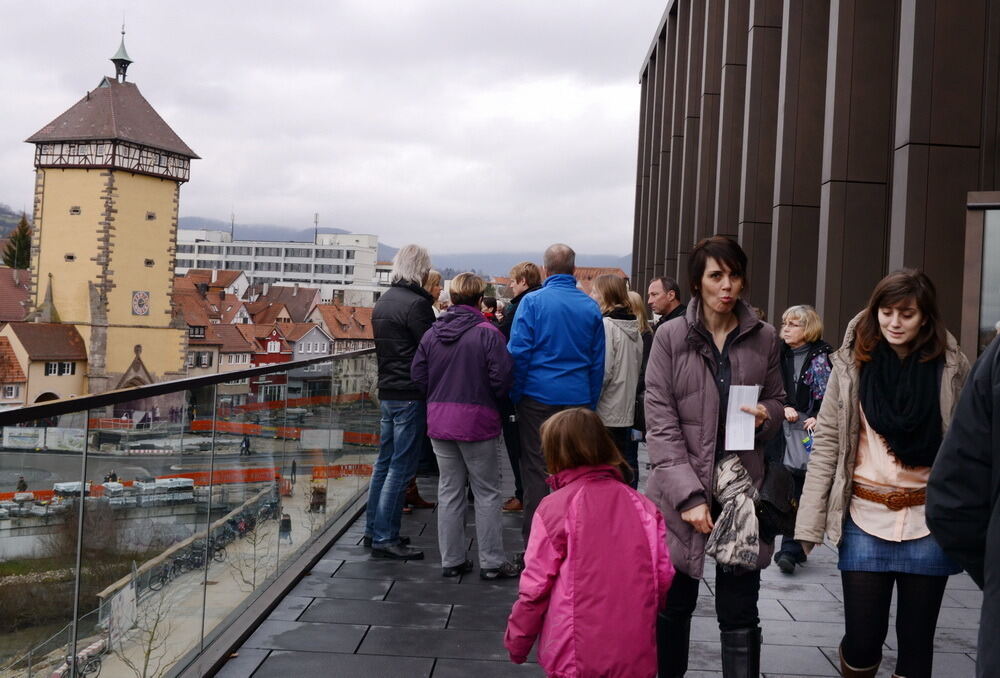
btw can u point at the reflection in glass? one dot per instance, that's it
(989, 310)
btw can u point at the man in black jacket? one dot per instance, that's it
(400, 318)
(665, 300)
(963, 497)
(525, 278)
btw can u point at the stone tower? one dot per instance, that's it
(108, 173)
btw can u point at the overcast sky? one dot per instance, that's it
(464, 125)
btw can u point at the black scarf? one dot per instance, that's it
(900, 399)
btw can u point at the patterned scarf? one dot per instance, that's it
(735, 540)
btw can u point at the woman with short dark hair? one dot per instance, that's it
(463, 366)
(705, 490)
(890, 397)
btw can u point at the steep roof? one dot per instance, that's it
(14, 294)
(347, 322)
(295, 331)
(10, 369)
(223, 277)
(258, 334)
(113, 110)
(232, 340)
(50, 341)
(299, 301)
(266, 312)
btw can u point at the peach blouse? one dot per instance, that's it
(876, 467)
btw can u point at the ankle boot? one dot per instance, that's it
(672, 641)
(413, 497)
(741, 653)
(849, 671)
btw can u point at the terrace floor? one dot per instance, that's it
(354, 616)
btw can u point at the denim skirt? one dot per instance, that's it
(862, 552)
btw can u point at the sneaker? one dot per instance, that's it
(366, 541)
(457, 569)
(505, 571)
(513, 504)
(397, 552)
(785, 563)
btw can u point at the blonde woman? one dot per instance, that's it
(622, 362)
(805, 368)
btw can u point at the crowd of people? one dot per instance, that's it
(864, 437)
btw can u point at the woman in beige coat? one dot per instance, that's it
(889, 400)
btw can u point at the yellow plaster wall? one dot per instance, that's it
(64, 386)
(135, 239)
(61, 233)
(162, 349)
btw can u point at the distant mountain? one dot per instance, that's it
(8, 219)
(500, 263)
(255, 231)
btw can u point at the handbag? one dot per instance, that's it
(776, 504)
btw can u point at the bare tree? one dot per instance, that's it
(253, 557)
(145, 650)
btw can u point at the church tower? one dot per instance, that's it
(108, 173)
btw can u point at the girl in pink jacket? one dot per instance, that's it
(597, 569)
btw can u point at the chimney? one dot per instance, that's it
(203, 289)
(266, 285)
(222, 295)
(295, 290)
(215, 276)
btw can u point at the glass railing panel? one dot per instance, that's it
(250, 438)
(355, 407)
(41, 474)
(144, 527)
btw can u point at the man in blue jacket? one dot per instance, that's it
(557, 343)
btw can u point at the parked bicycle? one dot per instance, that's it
(88, 666)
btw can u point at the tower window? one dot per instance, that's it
(70, 257)
(149, 263)
(150, 216)
(74, 210)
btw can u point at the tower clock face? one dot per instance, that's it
(140, 303)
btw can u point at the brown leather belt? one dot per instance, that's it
(894, 500)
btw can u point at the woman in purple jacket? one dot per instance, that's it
(463, 366)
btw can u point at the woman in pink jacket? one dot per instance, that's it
(597, 569)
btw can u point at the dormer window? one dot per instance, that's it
(196, 332)
(273, 346)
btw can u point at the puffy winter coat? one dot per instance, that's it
(463, 365)
(557, 343)
(830, 475)
(682, 414)
(622, 362)
(963, 497)
(400, 318)
(596, 574)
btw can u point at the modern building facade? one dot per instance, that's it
(341, 265)
(837, 139)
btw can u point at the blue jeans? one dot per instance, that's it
(403, 425)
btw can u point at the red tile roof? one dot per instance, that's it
(113, 110)
(50, 341)
(231, 340)
(14, 294)
(10, 369)
(300, 301)
(295, 331)
(347, 322)
(223, 277)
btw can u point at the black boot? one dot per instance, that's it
(741, 653)
(672, 641)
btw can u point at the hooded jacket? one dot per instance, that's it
(963, 497)
(400, 318)
(682, 415)
(622, 362)
(508, 315)
(830, 474)
(597, 572)
(463, 366)
(557, 343)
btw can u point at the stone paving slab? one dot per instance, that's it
(404, 619)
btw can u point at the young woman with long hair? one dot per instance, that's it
(891, 395)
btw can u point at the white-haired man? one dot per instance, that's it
(400, 318)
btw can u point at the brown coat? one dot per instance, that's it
(829, 477)
(682, 413)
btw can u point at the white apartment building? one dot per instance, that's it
(341, 265)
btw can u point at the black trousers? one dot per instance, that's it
(531, 414)
(512, 441)
(622, 435)
(736, 596)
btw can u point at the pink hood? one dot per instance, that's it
(597, 572)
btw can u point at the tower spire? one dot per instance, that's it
(121, 59)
